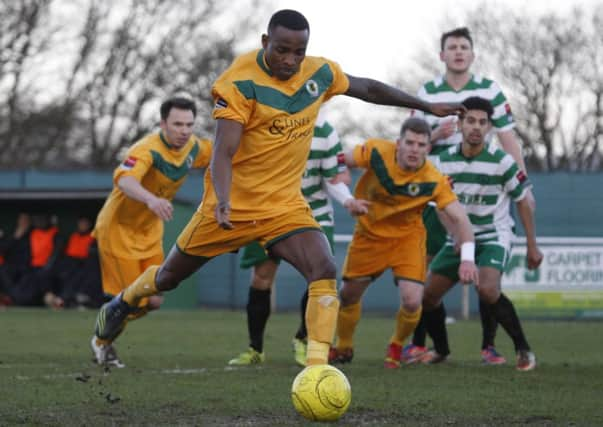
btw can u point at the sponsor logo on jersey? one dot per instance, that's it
(189, 161)
(312, 87)
(129, 163)
(220, 103)
(340, 159)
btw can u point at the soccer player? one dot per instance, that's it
(326, 175)
(485, 179)
(266, 104)
(399, 182)
(457, 84)
(129, 227)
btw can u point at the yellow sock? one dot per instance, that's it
(321, 319)
(142, 287)
(405, 324)
(346, 324)
(315, 353)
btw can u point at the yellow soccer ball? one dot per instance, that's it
(321, 393)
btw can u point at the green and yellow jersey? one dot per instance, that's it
(127, 228)
(397, 196)
(278, 120)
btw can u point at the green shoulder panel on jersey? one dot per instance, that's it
(489, 155)
(431, 87)
(410, 189)
(436, 150)
(170, 170)
(474, 85)
(278, 100)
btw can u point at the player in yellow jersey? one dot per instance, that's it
(129, 227)
(398, 183)
(266, 104)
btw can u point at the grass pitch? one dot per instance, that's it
(176, 374)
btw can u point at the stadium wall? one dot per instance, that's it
(566, 208)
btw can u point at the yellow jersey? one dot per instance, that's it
(278, 125)
(127, 228)
(397, 196)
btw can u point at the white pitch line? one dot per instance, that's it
(175, 371)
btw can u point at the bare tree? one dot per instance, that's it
(551, 69)
(25, 35)
(116, 65)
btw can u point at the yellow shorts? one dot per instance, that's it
(370, 256)
(202, 236)
(119, 273)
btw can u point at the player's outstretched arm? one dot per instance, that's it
(510, 144)
(467, 269)
(228, 138)
(533, 256)
(132, 188)
(341, 192)
(376, 92)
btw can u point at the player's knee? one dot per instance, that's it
(348, 296)
(489, 296)
(262, 282)
(325, 269)
(430, 300)
(166, 280)
(411, 304)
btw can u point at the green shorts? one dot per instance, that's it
(447, 262)
(254, 253)
(436, 233)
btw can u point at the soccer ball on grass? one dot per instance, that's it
(321, 393)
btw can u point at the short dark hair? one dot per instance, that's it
(481, 104)
(457, 32)
(177, 102)
(290, 19)
(416, 125)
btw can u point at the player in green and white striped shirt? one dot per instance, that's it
(458, 84)
(485, 180)
(325, 176)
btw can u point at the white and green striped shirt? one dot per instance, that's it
(324, 162)
(485, 185)
(438, 90)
